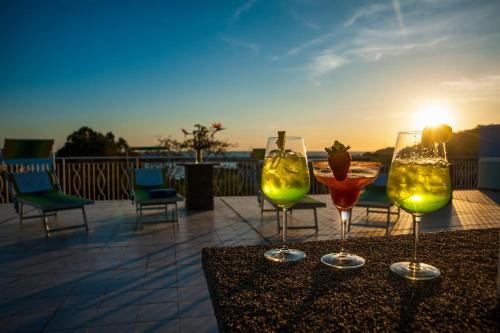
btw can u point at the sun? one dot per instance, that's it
(432, 114)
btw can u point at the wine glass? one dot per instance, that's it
(419, 182)
(285, 180)
(345, 194)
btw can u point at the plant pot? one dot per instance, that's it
(199, 156)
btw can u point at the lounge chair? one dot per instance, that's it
(489, 158)
(32, 181)
(149, 191)
(374, 198)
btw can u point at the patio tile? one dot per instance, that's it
(24, 323)
(112, 299)
(195, 308)
(30, 306)
(193, 293)
(116, 315)
(81, 302)
(164, 295)
(168, 326)
(159, 279)
(157, 312)
(71, 319)
(123, 328)
(205, 324)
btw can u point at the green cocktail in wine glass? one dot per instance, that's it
(285, 180)
(419, 182)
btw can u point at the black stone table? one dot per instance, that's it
(199, 185)
(251, 294)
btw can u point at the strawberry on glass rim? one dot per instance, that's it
(339, 160)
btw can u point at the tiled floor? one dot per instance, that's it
(117, 279)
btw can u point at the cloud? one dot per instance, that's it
(380, 31)
(375, 52)
(366, 11)
(487, 82)
(399, 16)
(304, 22)
(241, 43)
(296, 50)
(243, 8)
(324, 63)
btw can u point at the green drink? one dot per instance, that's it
(419, 186)
(285, 178)
(419, 182)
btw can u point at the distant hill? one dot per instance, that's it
(461, 144)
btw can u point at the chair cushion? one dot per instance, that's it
(162, 193)
(33, 182)
(149, 177)
(53, 200)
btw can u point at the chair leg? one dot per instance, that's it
(176, 213)
(85, 219)
(140, 218)
(21, 214)
(315, 220)
(278, 220)
(46, 225)
(388, 220)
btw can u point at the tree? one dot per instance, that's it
(198, 139)
(87, 142)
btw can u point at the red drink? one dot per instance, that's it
(345, 193)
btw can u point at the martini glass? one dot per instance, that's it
(285, 180)
(419, 182)
(345, 194)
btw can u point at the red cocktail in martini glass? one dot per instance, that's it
(345, 188)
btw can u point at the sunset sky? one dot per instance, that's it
(357, 71)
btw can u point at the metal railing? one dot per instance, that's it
(109, 178)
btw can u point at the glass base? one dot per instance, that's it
(343, 260)
(289, 255)
(423, 272)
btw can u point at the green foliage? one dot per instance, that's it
(337, 148)
(87, 142)
(200, 138)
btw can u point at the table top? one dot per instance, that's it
(251, 294)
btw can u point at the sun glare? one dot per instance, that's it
(432, 114)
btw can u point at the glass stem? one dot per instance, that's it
(414, 264)
(344, 219)
(284, 247)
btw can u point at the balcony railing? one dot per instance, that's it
(109, 178)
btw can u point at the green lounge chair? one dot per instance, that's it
(149, 190)
(374, 198)
(32, 181)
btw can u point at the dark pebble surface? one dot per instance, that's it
(251, 294)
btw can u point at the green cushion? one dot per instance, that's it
(142, 197)
(52, 200)
(375, 195)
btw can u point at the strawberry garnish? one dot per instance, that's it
(339, 160)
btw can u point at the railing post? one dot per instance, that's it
(64, 174)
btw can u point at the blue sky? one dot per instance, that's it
(357, 71)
